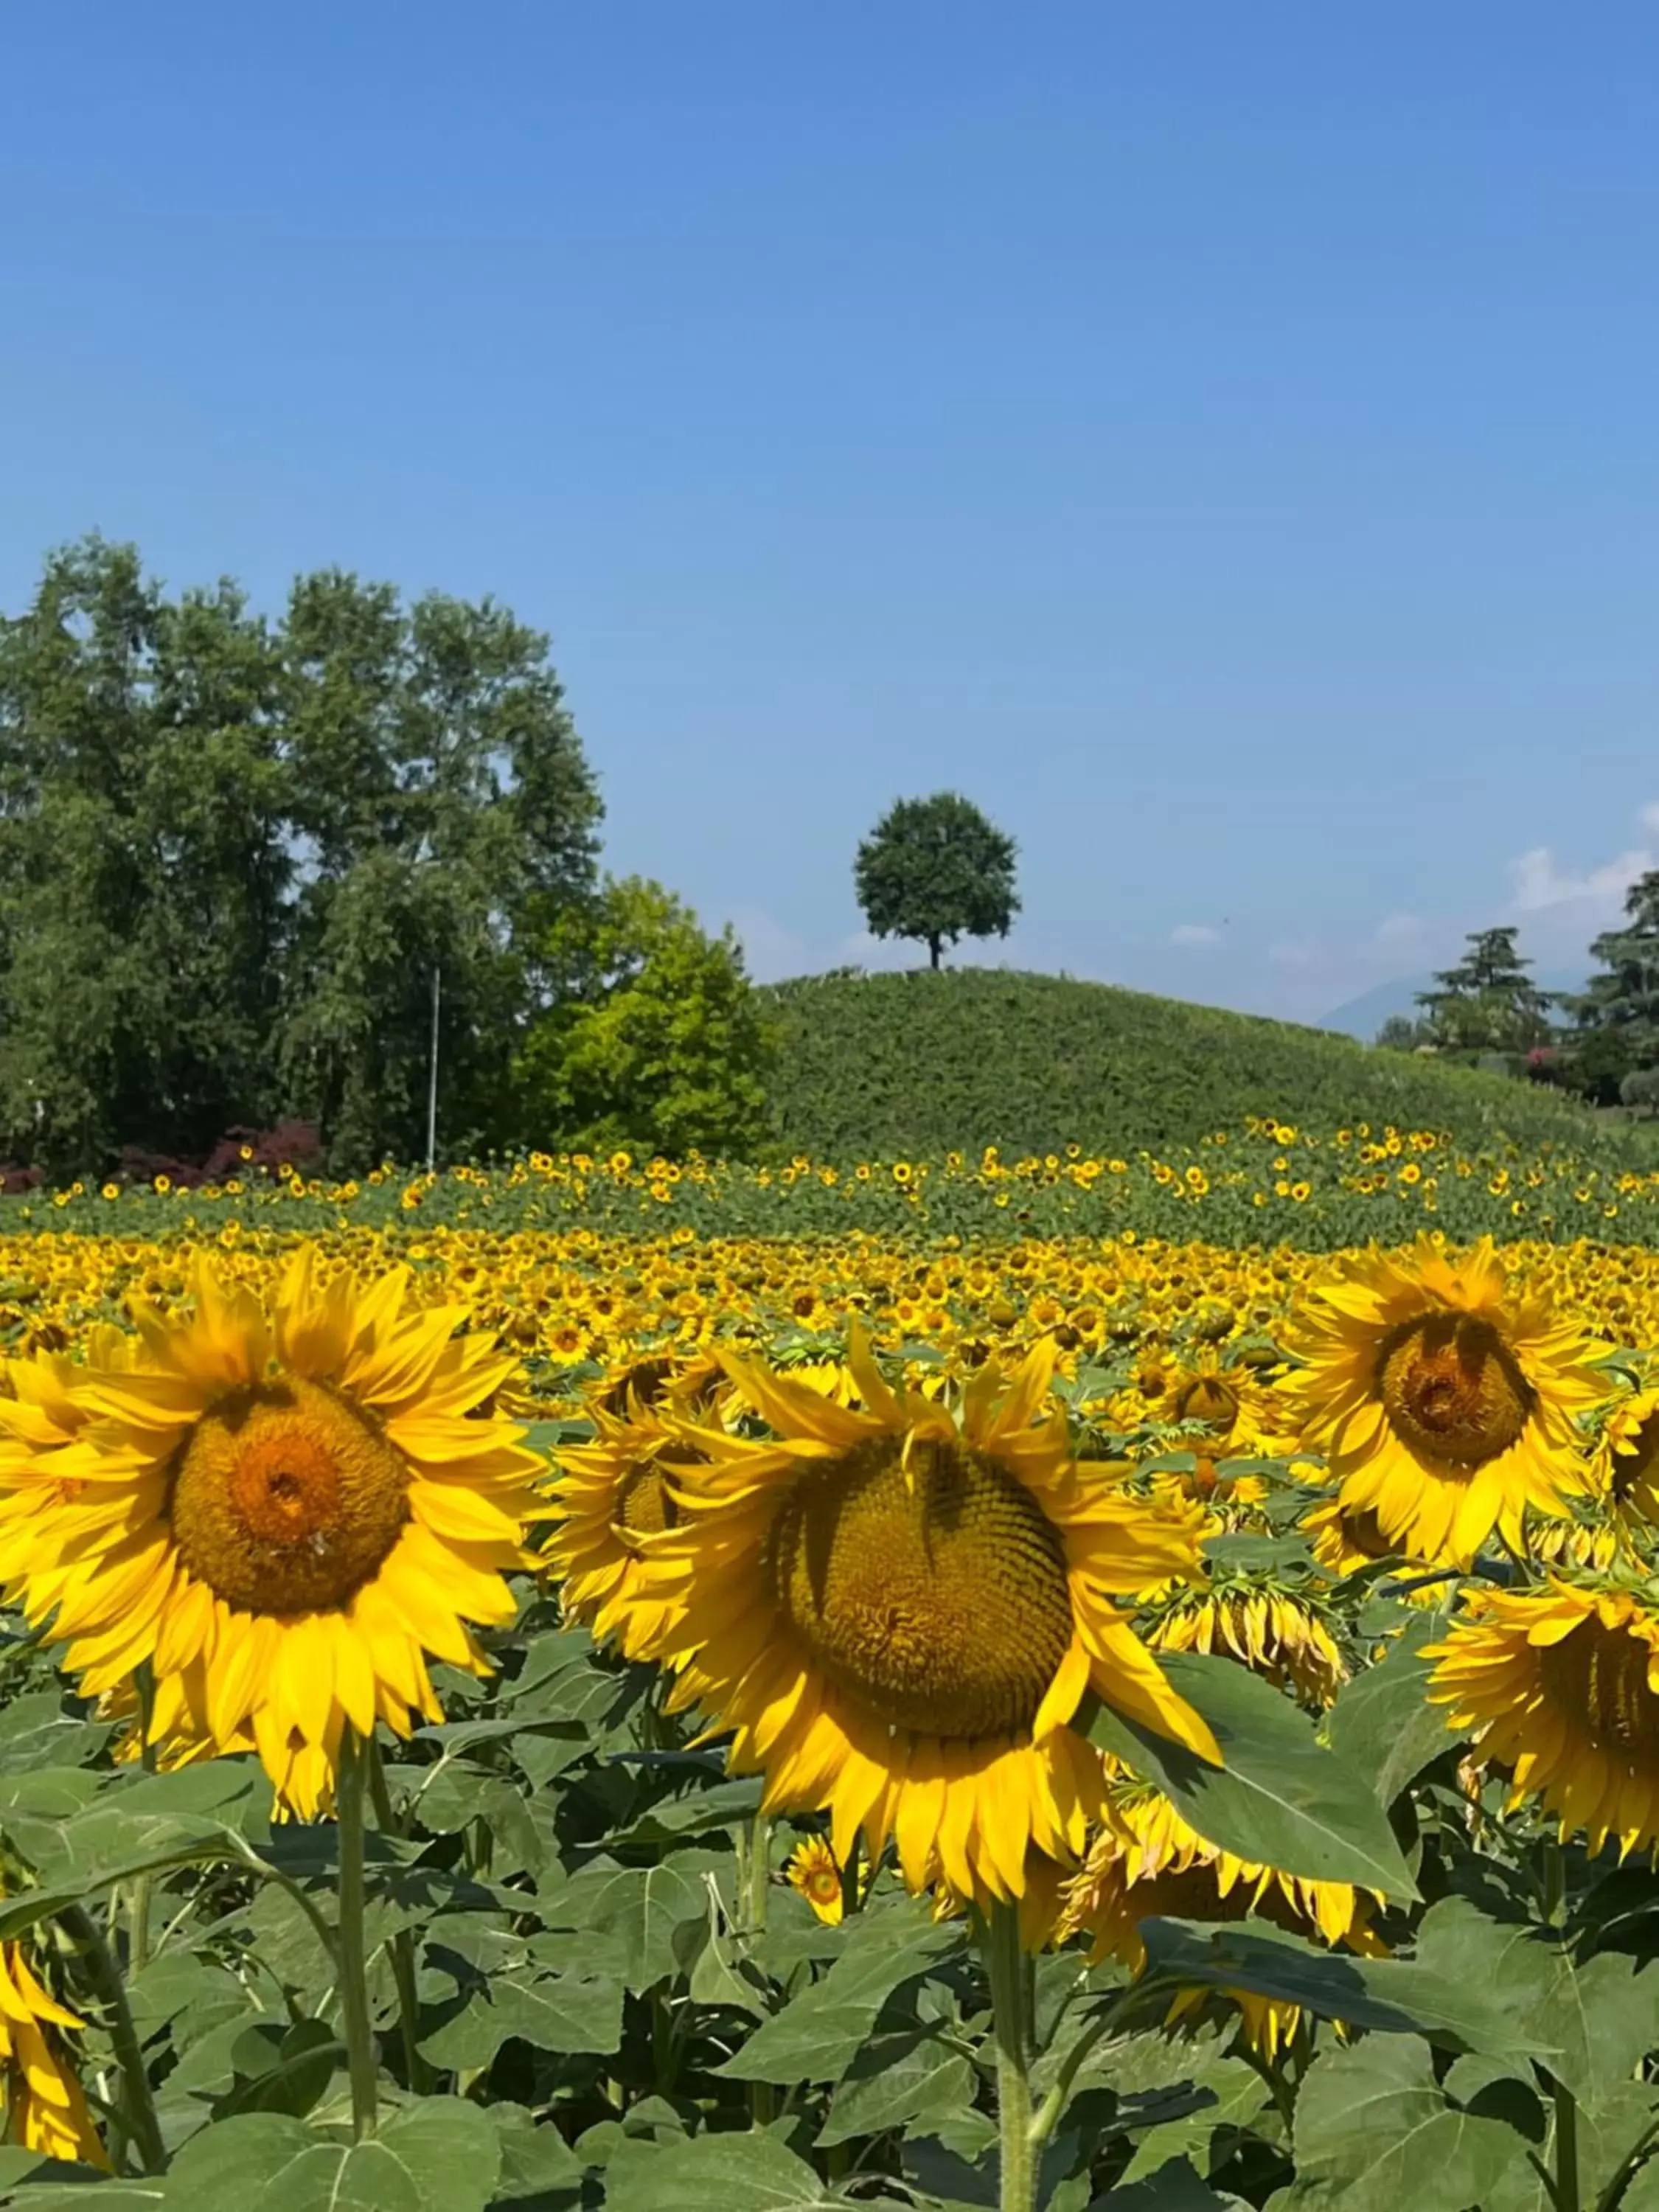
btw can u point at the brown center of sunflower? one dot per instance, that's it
(286, 1500)
(932, 1592)
(1600, 1676)
(1452, 1389)
(1206, 1398)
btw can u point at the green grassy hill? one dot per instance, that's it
(910, 1066)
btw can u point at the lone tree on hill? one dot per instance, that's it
(1488, 1002)
(936, 870)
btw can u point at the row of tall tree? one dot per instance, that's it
(236, 852)
(1602, 1041)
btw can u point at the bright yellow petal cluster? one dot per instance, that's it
(1274, 1633)
(45, 2108)
(1560, 1684)
(898, 1612)
(282, 1508)
(812, 1872)
(1148, 1862)
(1444, 1404)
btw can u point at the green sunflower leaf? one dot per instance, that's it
(1376, 2131)
(1382, 1723)
(1281, 1799)
(1395, 1996)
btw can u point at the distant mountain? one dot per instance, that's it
(1363, 1017)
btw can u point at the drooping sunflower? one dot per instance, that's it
(1557, 1683)
(283, 1507)
(1276, 1633)
(811, 1870)
(1147, 1862)
(609, 1495)
(1627, 1463)
(1442, 1403)
(899, 1614)
(45, 2108)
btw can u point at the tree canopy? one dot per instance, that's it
(936, 870)
(1488, 1002)
(233, 850)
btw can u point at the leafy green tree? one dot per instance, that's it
(655, 1040)
(447, 820)
(936, 869)
(1488, 1002)
(1400, 1033)
(143, 865)
(233, 854)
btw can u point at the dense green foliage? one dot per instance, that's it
(653, 1038)
(910, 1066)
(936, 870)
(240, 858)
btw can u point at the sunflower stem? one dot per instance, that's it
(1005, 1962)
(1567, 2198)
(137, 2102)
(358, 2027)
(759, 1872)
(417, 2072)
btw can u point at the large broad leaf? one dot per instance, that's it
(655, 1912)
(1390, 1994)
(1173, 2186)
(819, 2033)
(1375, 2132)
(442, 2155)
(751, 2173)
(1282, 1800)
(567, 2012)
(1382, 1724)
(897, 2081)
(1591, 2023)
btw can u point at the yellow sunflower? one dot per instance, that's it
(609, 1495)
(1558, 1685)
(1276, 1633)
(1238, 1413)
(1147, 1862)
(282, 1509)
(811, 1870)
(1442, 1403)
(899, 1615)
(1344, 1541)
(46, 2109)
(1627, 1464)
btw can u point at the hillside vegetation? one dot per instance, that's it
(910, 1066)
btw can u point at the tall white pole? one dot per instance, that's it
(432, 1083)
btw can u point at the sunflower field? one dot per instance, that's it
(610, 1683)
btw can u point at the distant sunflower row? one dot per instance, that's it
(899, 1579)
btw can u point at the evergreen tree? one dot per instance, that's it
(1488, 1002)
(1623, 997)
(936, 869)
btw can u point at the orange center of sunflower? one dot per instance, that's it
(931, 1591)
(1600, 1676)
(286, 1499)
(1452, 1389)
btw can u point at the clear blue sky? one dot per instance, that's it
(1221, 441)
